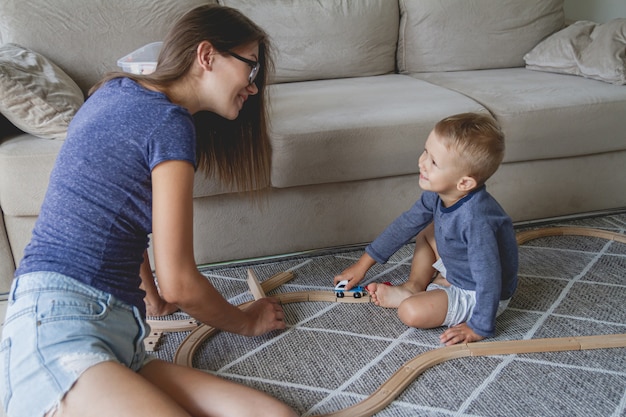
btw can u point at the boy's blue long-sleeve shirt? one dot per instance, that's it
(476, 242)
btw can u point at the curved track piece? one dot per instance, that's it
(402, 378)
(391, 388)
(527, 235)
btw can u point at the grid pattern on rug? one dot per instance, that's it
(333, 355)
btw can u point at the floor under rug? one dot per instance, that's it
(333, 355)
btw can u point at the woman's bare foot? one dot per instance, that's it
(388, 296)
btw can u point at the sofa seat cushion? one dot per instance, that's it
(545, 115)
(25, 165)
(356, 128)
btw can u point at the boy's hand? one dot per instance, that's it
(355, 273)
(352, 275)
(461, 333)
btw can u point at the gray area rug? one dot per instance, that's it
(334, 355)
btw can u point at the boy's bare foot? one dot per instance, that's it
(388, 296)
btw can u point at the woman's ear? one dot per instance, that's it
(466, 184)
(204, 54)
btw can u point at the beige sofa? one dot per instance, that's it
(358, 86)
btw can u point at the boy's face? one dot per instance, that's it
(442, 170)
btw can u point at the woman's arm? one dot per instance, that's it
(179, 279)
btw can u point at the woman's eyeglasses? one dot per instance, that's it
(253, 64)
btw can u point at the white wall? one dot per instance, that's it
(599, 11)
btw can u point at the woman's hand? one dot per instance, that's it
(159, 308)
(461, 333)
(156, 306)
(264, 315)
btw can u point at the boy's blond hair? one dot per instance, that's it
(477, 139)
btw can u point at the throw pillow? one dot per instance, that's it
(35, 94)
(587, 49)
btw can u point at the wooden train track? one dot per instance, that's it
(527, 235)
(404, 376)
(186, 350)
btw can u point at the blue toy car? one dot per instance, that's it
(357, 291)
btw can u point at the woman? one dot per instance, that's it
(73, 337)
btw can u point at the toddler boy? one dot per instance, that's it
(464, 268)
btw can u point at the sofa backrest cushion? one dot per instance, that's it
(455, 35)
(85, 38)
(327, 38)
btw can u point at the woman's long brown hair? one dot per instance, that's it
(238, 152)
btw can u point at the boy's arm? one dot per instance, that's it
(492, 262)
(486, 270)
(399, 232)
(403, 228)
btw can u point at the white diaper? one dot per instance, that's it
(461, 302)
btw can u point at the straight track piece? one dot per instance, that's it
(276, 280)
(601, 342)
(173, 325)
(255, 287)
(150, 342)
(523, 346)
(293, 297)
(351, 300)
(327, 296)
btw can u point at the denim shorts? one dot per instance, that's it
(461, 302)
(55, 329)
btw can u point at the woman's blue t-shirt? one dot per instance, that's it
(97, 212)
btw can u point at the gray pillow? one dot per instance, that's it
(35, 94)
(587, 49)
